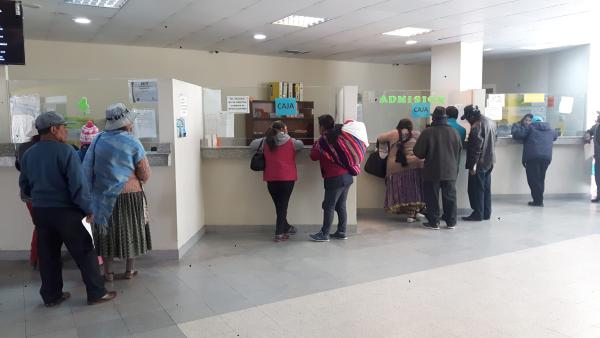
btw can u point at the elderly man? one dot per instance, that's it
(51, 175)
(440, 146)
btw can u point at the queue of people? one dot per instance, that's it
(100, 183)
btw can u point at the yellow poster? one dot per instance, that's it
(534, 98)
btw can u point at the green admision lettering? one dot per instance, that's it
(392, 99)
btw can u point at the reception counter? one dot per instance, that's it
(236, 198)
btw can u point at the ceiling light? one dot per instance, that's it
(488, 49)
(299, 21)
(411, 42)
(83, 21)
(98, 3)
(260, 36)
(408, 31)
(545, 46)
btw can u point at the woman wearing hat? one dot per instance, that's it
(116, 167)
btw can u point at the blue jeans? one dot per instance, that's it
(336, 193)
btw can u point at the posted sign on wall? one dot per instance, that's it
(238, 104)
(420, 110)
(286, 107)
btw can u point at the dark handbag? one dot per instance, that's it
(258, 159)
(376, 165)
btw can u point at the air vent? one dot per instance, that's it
(295, 52)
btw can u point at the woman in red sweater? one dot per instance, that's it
(280, 172)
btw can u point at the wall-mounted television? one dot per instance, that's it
(12, 45)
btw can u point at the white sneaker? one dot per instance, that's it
(410, 220)
(420, 216)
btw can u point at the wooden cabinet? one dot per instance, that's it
(262, 114)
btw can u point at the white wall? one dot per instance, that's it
(188, 161)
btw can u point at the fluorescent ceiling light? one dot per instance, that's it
(98, 3)
(545, 46)
(83, 21)
(411, 42)
(260, 36)
(299, 21)
(408, 31)
(488, 49)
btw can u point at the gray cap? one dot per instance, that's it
(118, 116)
(49, 119)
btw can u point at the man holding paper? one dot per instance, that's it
(51, 175)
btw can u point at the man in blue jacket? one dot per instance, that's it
(537, 137)
(52, 177)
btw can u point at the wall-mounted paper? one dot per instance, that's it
(496, 100)
(534, 98)
(22, 128)
(494, 113)
(212, 101)
(143, 91)
(566, 105)
(144, 125)
(238, 104)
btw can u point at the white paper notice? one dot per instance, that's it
(22, 128)
(144, 125)
(143, 91)
(225, 124)
(88, 228)
(25, 105)
(494, 113)
(212, 101)
(238, 104)
(183, 105)
(496, 100)
(566, 105)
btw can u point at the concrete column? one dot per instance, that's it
(456, 73)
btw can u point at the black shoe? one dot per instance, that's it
(450, 226)
(472, 218)
(535, 204)
(319, 237)
(291, 230)
(338, 235)
(596, 200)
(431, 226)
(62, 298)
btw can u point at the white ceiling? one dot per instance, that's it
(352, 32)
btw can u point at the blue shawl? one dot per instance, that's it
(108, 164)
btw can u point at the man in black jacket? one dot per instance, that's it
(592, 135)
(440, 146)
(480, 163)
(537, 137)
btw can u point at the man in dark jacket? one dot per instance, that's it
(480, 163)
(538, 138)
(51, 175)
(440, 146)
(590, 135)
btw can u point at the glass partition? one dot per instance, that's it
(79, 101)
(567, 114)
(224, 126)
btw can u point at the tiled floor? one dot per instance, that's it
(528, 273)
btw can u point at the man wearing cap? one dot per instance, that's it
(480, 163)
(590, 135)
(51, 175)
(537, 137)
(440, 146)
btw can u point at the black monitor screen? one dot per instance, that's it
(12, 46)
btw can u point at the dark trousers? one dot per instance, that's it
(431, 192)
(480, 194)
(336, 194)
(56, 226)
(281, 191)
(536, 177)
(597, 176)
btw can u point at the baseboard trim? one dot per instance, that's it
(225, 229)
(575, 196)
(191, 242)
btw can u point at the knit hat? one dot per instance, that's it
(88, 132)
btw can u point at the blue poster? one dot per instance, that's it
(286, 107)
(420, 110)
